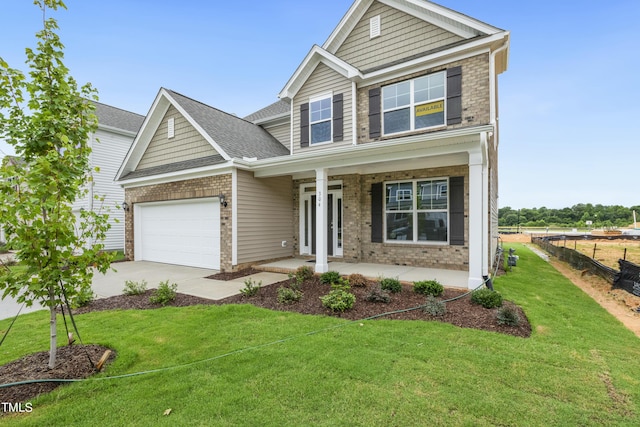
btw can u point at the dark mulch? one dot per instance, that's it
(233, 274)
(72, 360)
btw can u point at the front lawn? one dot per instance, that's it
(260, 367)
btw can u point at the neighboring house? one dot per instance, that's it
(382, 149)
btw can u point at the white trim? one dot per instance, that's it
(183, 175)
(354, 113)
(234, 218)
(322, 262)
(315, 99)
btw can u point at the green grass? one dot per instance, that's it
(580, 366)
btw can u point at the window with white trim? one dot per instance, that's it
(414, 104)
(320, 114)
(420, 219)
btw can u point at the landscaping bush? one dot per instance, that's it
(288, 295)
(486, 298)
(391, 285)
(3, 248)
(164, 294)
(329, 277)
(251, 288)
(304, 272)
(377, 294)
(338, 300)
(358, 280)
(428, 287)
(84, 297)
(134, 288)
(435, 307)
(507, 315)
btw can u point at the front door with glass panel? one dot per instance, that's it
(308, 219)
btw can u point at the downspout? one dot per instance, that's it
(486, 228)
(493, 96)
(354, 113)
(291, 130)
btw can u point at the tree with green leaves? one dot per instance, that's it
(48, 119)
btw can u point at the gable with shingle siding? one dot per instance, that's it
(402, 36)
(186, 144)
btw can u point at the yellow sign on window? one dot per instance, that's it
(431, 108)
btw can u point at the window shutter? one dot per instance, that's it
(338, 122)
(304, 125)
(456, 210)
(454, 95)
(375, 123)
(376, 212)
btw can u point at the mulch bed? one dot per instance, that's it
(72, 360)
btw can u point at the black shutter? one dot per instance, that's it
(456, 210)
(454, 95)
(376, 212)
(375, 123)
(338, 122)
(304, 125)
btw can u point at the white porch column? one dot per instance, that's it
(322, 263)
(476, 219)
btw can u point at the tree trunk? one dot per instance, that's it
(53, 346)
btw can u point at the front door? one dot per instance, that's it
(308, 220)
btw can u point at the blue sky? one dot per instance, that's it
(568, 101)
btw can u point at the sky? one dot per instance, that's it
(568, 100)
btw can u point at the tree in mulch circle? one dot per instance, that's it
(48, 119)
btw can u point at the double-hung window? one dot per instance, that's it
(417, 211)
(414, 104)
(320, 115)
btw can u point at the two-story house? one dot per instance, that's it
(382, 149)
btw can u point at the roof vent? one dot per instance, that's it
(374, 27)
(171, 128)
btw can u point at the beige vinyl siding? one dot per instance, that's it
(323, 81)
(282, 133)
(187, 144)
(265, 217)
(402, 36)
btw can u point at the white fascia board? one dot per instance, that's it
(118, 131)
(273, 120)
(313, 58)
(346, 24)
(197, 126)
(183, 175)
(432, 144)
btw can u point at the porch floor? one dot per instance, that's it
(448, 278)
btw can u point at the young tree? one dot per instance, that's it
(48, 120)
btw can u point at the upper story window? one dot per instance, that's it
(414, 104)
(320, 119)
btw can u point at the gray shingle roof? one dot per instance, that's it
(175, 167)
(118, 118)
(276, 109)
(237, 137)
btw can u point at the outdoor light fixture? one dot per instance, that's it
(223, 202)
(125, 206)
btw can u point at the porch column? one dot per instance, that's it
(322, 263)
(476, 220)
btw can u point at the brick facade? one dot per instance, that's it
(180, 190)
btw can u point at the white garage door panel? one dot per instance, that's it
(184, 233)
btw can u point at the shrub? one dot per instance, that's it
(507, 315)
(376, 294)
(251, 288)
(288, 295)
(3, 248)
(428, 287)
(391, 285)
(134, 288)
(486, 298)
(84, 297)
(329, 277)
(338, 300)
(304, 272)
(358, 280)
(164, 294)
(435, 307)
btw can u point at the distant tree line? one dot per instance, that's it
(575, 216)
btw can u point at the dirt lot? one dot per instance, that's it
(619, 303)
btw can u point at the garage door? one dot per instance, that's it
(185, 232)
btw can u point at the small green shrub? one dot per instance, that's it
(329, 277)
(435, 307)
(251, 288)
(428, 287)
(391, 285)
(84, 297)
(3, 248)
(338, 300)
(288, 295)
(377, 294)
(486, 298)
(164, 294)
(304, 272)
(134, 288)
(358, 280)
(507, 315)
